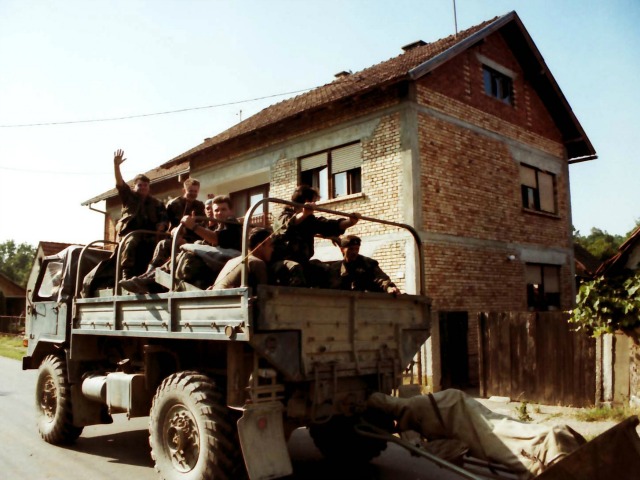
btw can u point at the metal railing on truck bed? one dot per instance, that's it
(353, 330)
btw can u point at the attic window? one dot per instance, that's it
(498, 85)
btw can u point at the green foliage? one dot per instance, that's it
(603, 414)
(16, 261)
(11, 347)
(523, 413)
(599, 243)
(605, 305)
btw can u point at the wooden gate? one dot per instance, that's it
(535, 357)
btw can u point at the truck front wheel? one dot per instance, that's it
(191, 431)
(53, 403)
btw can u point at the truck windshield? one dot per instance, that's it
(51, 280)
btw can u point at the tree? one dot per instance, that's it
(599, 243)
(16, 261)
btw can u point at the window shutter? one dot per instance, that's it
(528, 177)
(346, 158)
(314, 161)
(547, 203)
(551, 280)
(533, 275)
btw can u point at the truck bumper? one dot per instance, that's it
(26, 363)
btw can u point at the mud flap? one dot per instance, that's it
(262, 440)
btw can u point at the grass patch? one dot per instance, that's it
(11, 346)
(603, 414)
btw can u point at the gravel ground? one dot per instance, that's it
(550, 415)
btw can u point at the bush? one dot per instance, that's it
(605, 305)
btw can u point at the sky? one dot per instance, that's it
(80, 79)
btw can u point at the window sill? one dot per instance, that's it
(344, 198)
(541, 213)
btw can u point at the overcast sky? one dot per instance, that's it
(65, 62)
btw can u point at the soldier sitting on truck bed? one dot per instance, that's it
(260, 250)
(186, 204)
(224, 230)
(140, 211)
(294, 245)
(199, 266)
(357, 272)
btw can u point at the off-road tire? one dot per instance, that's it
(54, 414)
(192, 434)
(339, 442)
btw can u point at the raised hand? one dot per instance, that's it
(118, 157)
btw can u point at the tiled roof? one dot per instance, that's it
(586, 264)
(616, 264)
(51, 248)
(386, 72)
(9, 288)
(410, 65)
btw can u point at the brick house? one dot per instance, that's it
(468, 139)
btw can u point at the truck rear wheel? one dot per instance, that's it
(53, 403)
(193, 435)
(338, 440)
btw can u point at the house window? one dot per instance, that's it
(335, 172)
(244, 199)
(537, 189)
(543, 287)
(498, 85)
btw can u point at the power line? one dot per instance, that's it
(168, 112)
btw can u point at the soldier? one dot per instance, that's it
(295, 245)
(261, 248)
(140, 211)
(223, 230)
(186, 204)
(357, 272)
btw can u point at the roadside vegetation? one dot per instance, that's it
(603, 414)
(11, 346)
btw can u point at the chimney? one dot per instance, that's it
(413, 45)
(342, 74)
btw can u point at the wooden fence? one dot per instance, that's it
(535, 357)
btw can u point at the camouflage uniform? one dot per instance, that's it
(294, 247)
(176, 209)
(138, 213)
(363, 274)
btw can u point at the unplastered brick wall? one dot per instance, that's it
(473, 279)
(470, 278)
(380, 196)
(461, 78)
(471, 187)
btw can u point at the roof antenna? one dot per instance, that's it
(455, 18)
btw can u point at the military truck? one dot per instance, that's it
(224, 375)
